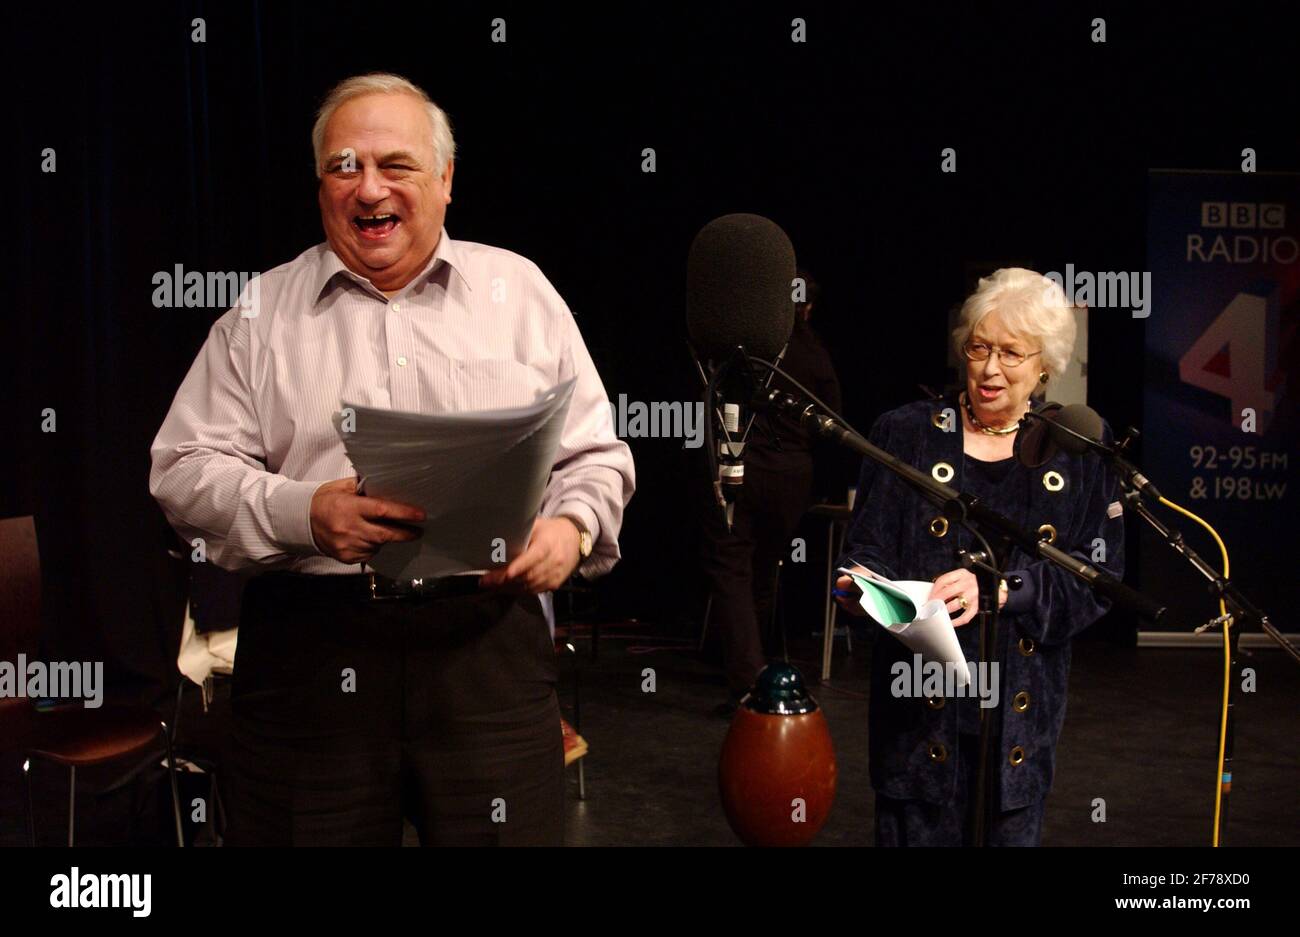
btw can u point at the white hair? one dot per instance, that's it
(1030, 305)
(444, 146)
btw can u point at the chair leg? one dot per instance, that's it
(778, 618)
(176, 710)
(72, 802)
(577, 695)
(837, 536)
(218, 813)
(31, 812)
(176, 794)
(704, 626)
(577, 722)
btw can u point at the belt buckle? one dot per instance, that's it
(395, 590)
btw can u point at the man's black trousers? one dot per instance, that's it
(350, 714)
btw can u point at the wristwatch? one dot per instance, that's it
(584, 535)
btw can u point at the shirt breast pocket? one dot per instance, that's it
(493, 383)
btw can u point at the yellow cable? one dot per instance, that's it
(1227, 667)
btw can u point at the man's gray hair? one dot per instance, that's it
(444, 145)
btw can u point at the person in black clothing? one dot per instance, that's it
(741, 565)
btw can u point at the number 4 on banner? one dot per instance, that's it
(1233, 358)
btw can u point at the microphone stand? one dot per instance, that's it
(1136, 486)
(988, 572)
(725, 492)
(962, 508)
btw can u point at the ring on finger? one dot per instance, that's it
(961, 600)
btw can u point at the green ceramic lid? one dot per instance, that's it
(779, 691)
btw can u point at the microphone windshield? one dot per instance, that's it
(1035, 445)
(738, 287)
(1083, 420)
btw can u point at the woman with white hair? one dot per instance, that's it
(1016, 333)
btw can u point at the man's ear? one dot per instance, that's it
(446, 177)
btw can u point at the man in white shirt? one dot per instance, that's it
(357, 700)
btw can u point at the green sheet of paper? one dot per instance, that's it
(887, 604)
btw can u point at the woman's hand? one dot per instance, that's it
(850, 599)
(960, 591)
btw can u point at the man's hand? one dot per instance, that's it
(550, 559)
(351, 527)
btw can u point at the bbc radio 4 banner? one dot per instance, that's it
(1220, 402)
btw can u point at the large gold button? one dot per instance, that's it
(1053, 481)
(1021, 701)
(942, 472)
(1017, 755)
(934, 702)
(1047, 532)
(939, 526)
(938, 754)
(1026, 646)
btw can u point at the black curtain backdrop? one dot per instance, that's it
(175, 152)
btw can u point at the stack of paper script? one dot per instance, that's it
(478, 476)
(901, 607)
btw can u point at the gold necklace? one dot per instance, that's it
(983, 427)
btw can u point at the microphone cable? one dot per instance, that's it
(1222, 781)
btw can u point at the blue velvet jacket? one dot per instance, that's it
(913, 742)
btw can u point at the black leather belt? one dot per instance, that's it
(372, 587)
(381, 588)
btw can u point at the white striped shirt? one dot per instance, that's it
(249, 438)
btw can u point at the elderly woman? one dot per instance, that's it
(1016, 332)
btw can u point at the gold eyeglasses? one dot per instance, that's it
(979, 351)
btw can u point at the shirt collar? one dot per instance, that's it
(447, 251)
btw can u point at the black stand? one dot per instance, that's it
(989, 577)
(1241, 610)
(1136, 486)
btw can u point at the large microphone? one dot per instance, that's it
(1035, 445)
(1052, 428)
(739, 287)
(739, 277)
(1077, 429)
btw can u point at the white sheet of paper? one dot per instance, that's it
(930, 633)
(479, 477)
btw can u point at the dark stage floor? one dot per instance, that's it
(1140, 733)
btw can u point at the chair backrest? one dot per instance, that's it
(20, 589)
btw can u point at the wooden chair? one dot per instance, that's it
(69, 735)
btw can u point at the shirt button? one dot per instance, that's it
(397, 307)
(401, 361)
